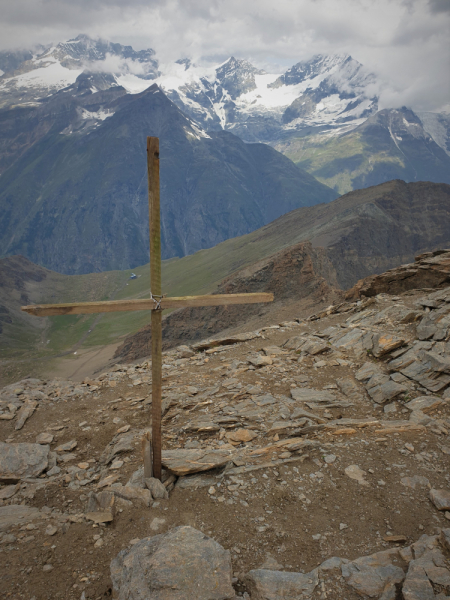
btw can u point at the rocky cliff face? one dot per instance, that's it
(430, 270)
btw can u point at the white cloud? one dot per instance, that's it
(404, 41)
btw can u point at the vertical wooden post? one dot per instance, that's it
(155, 286)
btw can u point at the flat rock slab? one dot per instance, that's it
(424, 403)
(310, 395)
(182, 564)
(266, 584)
(16, 514)
(22, 460)
(185, 461)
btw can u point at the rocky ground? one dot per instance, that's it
(289, 445)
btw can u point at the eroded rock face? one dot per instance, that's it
(178, 565)
(22, 460)
(429, 270)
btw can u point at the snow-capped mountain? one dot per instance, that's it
(28, 76)
(258, 106)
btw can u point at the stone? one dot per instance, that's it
(445, 538)
(261, 361)
(130, 492)
(156, 488)
(271, 564)
(424, 403)
(266, 584)
(157, 523)
(356, 473)
(25, 413)
(51, 530)
(370, 575)
(310, 395)
(387, 391)
(181, 564)
(417, 585)
(183, 461)
(22, 460)
(9, 491)
(416, 480)
(53, 471)
(67, 447)
(100, 507)
(120, 444)
(366, 371)
(383, 343)
(225, 341)
(44, 438)
(440, 498)
(241, 435)
(16, 514)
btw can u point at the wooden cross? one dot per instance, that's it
(155, 304)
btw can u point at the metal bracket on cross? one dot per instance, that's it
(156, 303)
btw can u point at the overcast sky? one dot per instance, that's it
(406, 42)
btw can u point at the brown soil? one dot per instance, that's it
(286, 504)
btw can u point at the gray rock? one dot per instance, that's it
(137, 479)
(9, 491)
(445, 538)
(366, 371)
(371, 575)
(387, 391)
(182, 564)
(53, 471)
(25, 413)
(424, 403)
(22, 460)
(383, 343)
(44, 438)
(156, 488)
(67, 447)
(16, 514)
(118, 445)
(310, 395)
(412, 482)
(417, 585)
(265, 584)
(440, 498)
(101, 507)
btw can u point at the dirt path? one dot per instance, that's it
(86, 363)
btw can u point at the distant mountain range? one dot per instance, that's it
(74, 119)
(73, 195)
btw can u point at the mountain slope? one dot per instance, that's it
(75, 200)
(392, 144)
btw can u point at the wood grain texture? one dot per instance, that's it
(80, 308)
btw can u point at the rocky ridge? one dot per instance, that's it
(288, 445)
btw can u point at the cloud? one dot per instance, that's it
(116, 64)
(405, 42)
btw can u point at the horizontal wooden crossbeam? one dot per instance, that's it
(79, 308)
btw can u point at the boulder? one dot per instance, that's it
(22, 460)
(181, 564)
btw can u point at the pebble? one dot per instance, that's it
(51, 530)
(47, 568)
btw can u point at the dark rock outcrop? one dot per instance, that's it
(430, 270)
